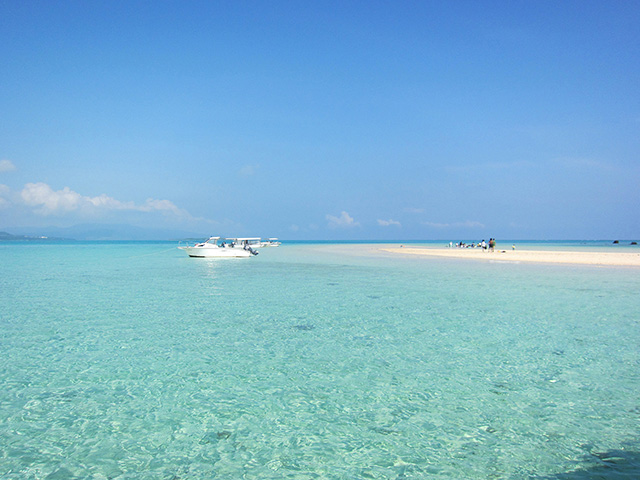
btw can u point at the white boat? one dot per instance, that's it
(246, 242)
(272, 242)
(211, 249)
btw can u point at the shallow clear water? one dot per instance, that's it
(133, 361)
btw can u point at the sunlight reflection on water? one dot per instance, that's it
(312, 361)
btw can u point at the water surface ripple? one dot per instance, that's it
(126, 361)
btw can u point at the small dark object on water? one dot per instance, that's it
(304, 327)
(634, 243)
(214, 437)
(615, 242)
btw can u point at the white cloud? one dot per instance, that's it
(467, 224)
(6, 166)
(343, 221)
(386, 223)
(164, 206)
(46, 201)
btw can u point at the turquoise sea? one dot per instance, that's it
(313, 361)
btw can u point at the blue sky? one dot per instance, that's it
(323, 120)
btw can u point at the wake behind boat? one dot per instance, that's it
(211, 249)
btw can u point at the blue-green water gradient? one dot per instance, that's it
(133, 361)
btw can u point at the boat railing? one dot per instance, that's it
(243, 243)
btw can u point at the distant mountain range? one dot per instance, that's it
(96, 232)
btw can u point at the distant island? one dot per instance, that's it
(8, 237)
(97, 232)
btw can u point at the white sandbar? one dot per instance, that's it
(623, 259)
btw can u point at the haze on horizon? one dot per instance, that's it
(323, 120)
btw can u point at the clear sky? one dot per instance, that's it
(324, 119)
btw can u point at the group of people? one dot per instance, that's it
(491, 245)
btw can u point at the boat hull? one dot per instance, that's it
(217, 252)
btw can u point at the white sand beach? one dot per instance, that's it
(622, 259)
